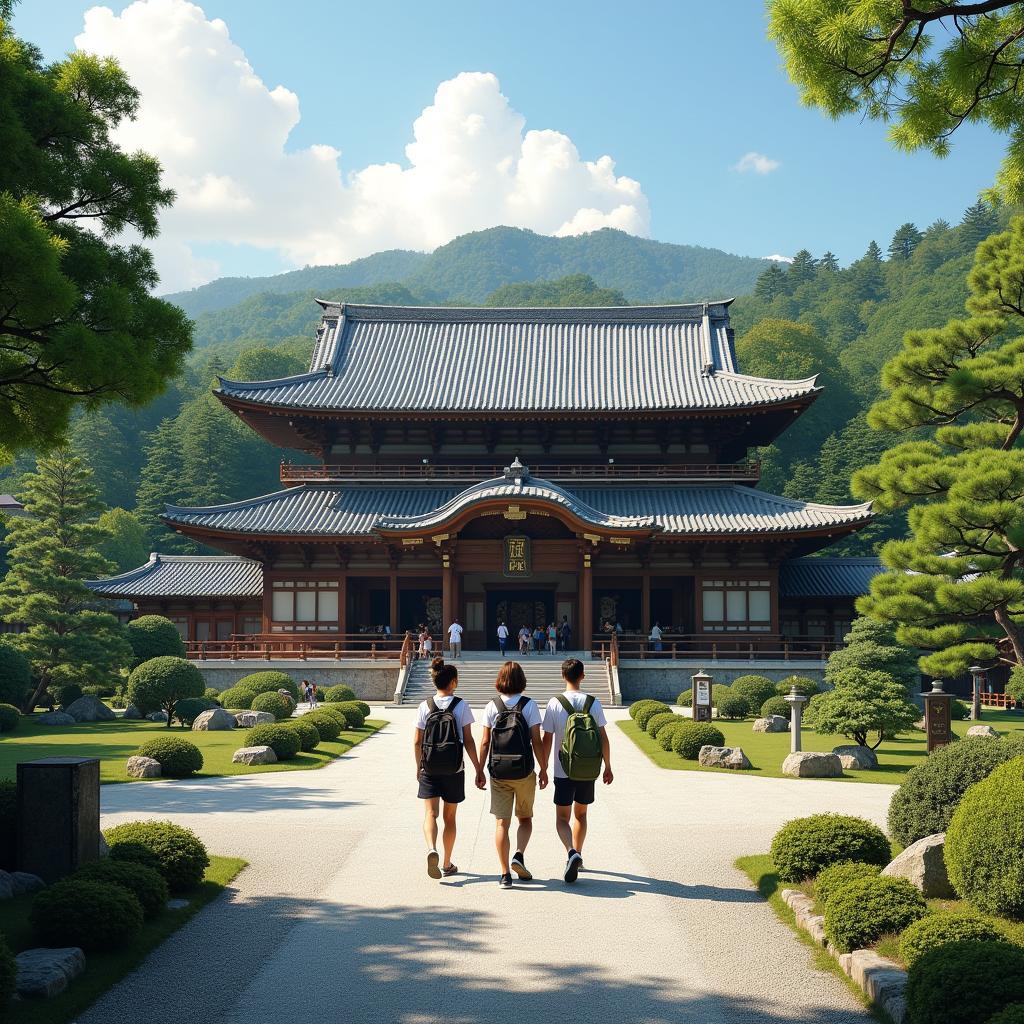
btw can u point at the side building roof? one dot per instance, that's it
(828, 577)
(169, 576)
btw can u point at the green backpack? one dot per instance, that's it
(580, 755)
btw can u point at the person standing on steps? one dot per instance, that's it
(510, 748)
(552, 638)
(455, 638)
(444, 729)
(566, 634)
(502, 636)
(574, 723)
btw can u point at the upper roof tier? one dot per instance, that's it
(416, 359)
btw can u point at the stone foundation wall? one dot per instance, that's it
(665, 680)
(371, 681)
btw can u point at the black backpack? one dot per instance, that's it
(511, 753)
(442, 740)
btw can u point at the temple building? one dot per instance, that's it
(519, 465)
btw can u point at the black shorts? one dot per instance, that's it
(569, 792)
(449, 788)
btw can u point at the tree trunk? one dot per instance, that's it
(37, 693)
(861, 738)
(1013, 633)
(878, 742)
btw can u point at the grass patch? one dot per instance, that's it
(114, 742)
(767, 750)
(103, 970)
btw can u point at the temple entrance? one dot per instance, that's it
(530, 607)
(417, 607)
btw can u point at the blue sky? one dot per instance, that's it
(675, 93)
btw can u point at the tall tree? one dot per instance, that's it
(801, 269)
(771, 283)
(160, 484)
(78, 325)
(828, 262)
(53, 549)
(126, 544)
(979, 221)
(904, 242)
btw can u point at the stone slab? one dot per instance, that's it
(44, 973)
(923, 864)
(254, 755)
(856, 757)
(138, 767)
(723, 757)
(214, 720)
(811, 764)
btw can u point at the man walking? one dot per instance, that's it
(575, 725)
(455, 639)
(502, 637)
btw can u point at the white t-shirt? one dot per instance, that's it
(463, 712)
(555, 717)
(503, 631)
(530, 711)
(655, 633)
(455, 633)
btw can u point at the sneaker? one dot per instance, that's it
(520, 868)
(432, 860)
(505, 881)
(447, 872)
(572, 867)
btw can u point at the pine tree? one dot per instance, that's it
(53, 549)
(868, 275)
(159, 485)
(979, 221)
(829, 262)
(801, 269)
(771, 283)
(937, 227)
(212, 464)
(904, 242)
(106, 451)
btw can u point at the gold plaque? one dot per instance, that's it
(412, 541)
(513, 512)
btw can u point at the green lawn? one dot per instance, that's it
(105, 969)
(114, 742)
(767, 751)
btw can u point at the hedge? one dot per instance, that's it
(667, 734)
(274, 703)
(657, 722)
(833, 878)
(691, 736)
(732, 705)
(176, 852)
(64, 694)
(755, 690)
(15, 673)
(776, 706)
(805, 846)
(10, 717)
(80, 912)
(188, 710)
(1012, 1014)
(327, 725)
(158, 684)
(862, 911)
(944, 930)
(806, 687)
(153, 636)
(339, 694)
(646, 714)
(146, 884)
(269, 682)
(353, 712)
(212, 694)
(284, 740)
(309, 735)
(363, 706)
(637, 706)
(239, 698)
(178, 757)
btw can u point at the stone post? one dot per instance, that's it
(700, 696)
(977, 682)
(796, 702)
(937, 719)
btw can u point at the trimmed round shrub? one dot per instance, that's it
(861, 912)
(239, 698)
(775, 706)
(965, 983)
(1012, 1014)
(327, 725)
(944, 930)
(639, 705)
(339, 694)
(806, 687)
(80, 912)
(270, 682)
(158, 684)
(8, 975)
(354, 713)
(647, 713)
(363, 707)
(102, 690)
(959, 710)
(333, 711)
(667, 733)
(685, 698)
(691, 736)
(985, 842)
(153, 636)
(755, 690)
(719, 691)
(274, 703)
(833, 878)
(8, 824)
(657, 722)
(10, 716)
(805, 846)
(732, 705)
(15, 673)
(177, 852)
(284, 740)
(146, 884)
(188, 710)
(309, 735)
(65, 694)
(178, 757)
(931, 791)
(212, 694)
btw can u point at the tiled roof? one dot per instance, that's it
(186, 576)
(422, 359)
(828, 577)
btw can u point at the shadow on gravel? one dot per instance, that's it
(223, 795)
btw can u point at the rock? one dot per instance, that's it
(254, 755)
(810, 764)
(132, 713)
(43, 973)
(142, 768)
(880, 979)
(90, 709)
(214, 720)
(923, 865)
(247, 719)
(985, 732)
(6, 886)
(157, 716)
(771, 723)
(856, 757)
(919, 724)
(25, 881)
(723, 757)
(54, 718)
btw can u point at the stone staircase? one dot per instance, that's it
(477, 673)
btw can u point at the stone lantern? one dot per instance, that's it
(978, 679)
(796, 701)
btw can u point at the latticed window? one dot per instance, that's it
(737, 606)
(305, 605)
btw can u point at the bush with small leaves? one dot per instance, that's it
(835, 877)
(685, 698)
(333, 711)
(755, 690)
(639, 705)
(718, 691)
(363, 707)
(178, 757)
(309, 735)
(964, 982)
(158, 684)
(775, 706)
(732, 705)
(146, 884)
(859, 913)
(657, 722)
(327, 725)
(8, 824)
(175, 851)
(1012, 1014)
(275, 704)
(270, 682)
(65, 694)
(804, 686)
(153, 636)
(102, 690)
(10, 717)
(959, 711)
(647, 713)
(691, 736)
(237, 698)
(353, 712)
(339, 694)
(667, 734)
(282, 739)
(805, 846)
(15, 673)
(8, 976)
(211, 694)
(943, 930)
(188, 710)
(90, 914)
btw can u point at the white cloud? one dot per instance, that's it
(221, 135)
(756, 162)
(778, 259)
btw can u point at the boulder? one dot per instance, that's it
(247, 719)
(142, 768)
(254, 755)
(25, 881)
(43, 973)
(157, 716)
(811, 764)
(6, 886)
(54, 718)
(771, 723)
(923, 865)
(216, 719)
(723, 757)
(856, 757)
(985, 732)
(132, 713)
(90, 709)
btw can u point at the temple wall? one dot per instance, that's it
(371, 682)
(667, 679)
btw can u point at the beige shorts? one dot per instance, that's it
(506, 792)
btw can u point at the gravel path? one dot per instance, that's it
(336, 920)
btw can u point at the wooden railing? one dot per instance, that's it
(675, 646)
(268, 646)
(997, 700)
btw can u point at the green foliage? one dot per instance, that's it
(691, 736)
(8, 824)
(8, 975)
(10, 716)
(326, 724)
(860, 912)
(158, 684)
(103, 691)
(732, 705)
(985, 839)
(153, 636)
(1014, 685)
(284, 740)
(363, 707)
(964, 982)
(574, 290)
(804, 686)
(862, 702)
(640, 705)
(943, 930)
(66, 694)
(146, 884)
(959, 711)
(667, 734)
(775, 706)
(275, 703)
(353, 711)
(178, 757)
(872, 646)
(237, 697)
(177, 852)
(269, 682)
(831, 879)
(188, 710)
(805, 846)
(127, 544)
(648, 711)
(1012, 1014)
(213, 694)
(339, 694)
(82, 912)
(309, 735)
(932, 790)
(656, 722)
(15, 673)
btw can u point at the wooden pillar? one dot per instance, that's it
(447, 594)
(645, 604)
(393, 594)
(268, 608)
(343, 602)
(586, 624)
